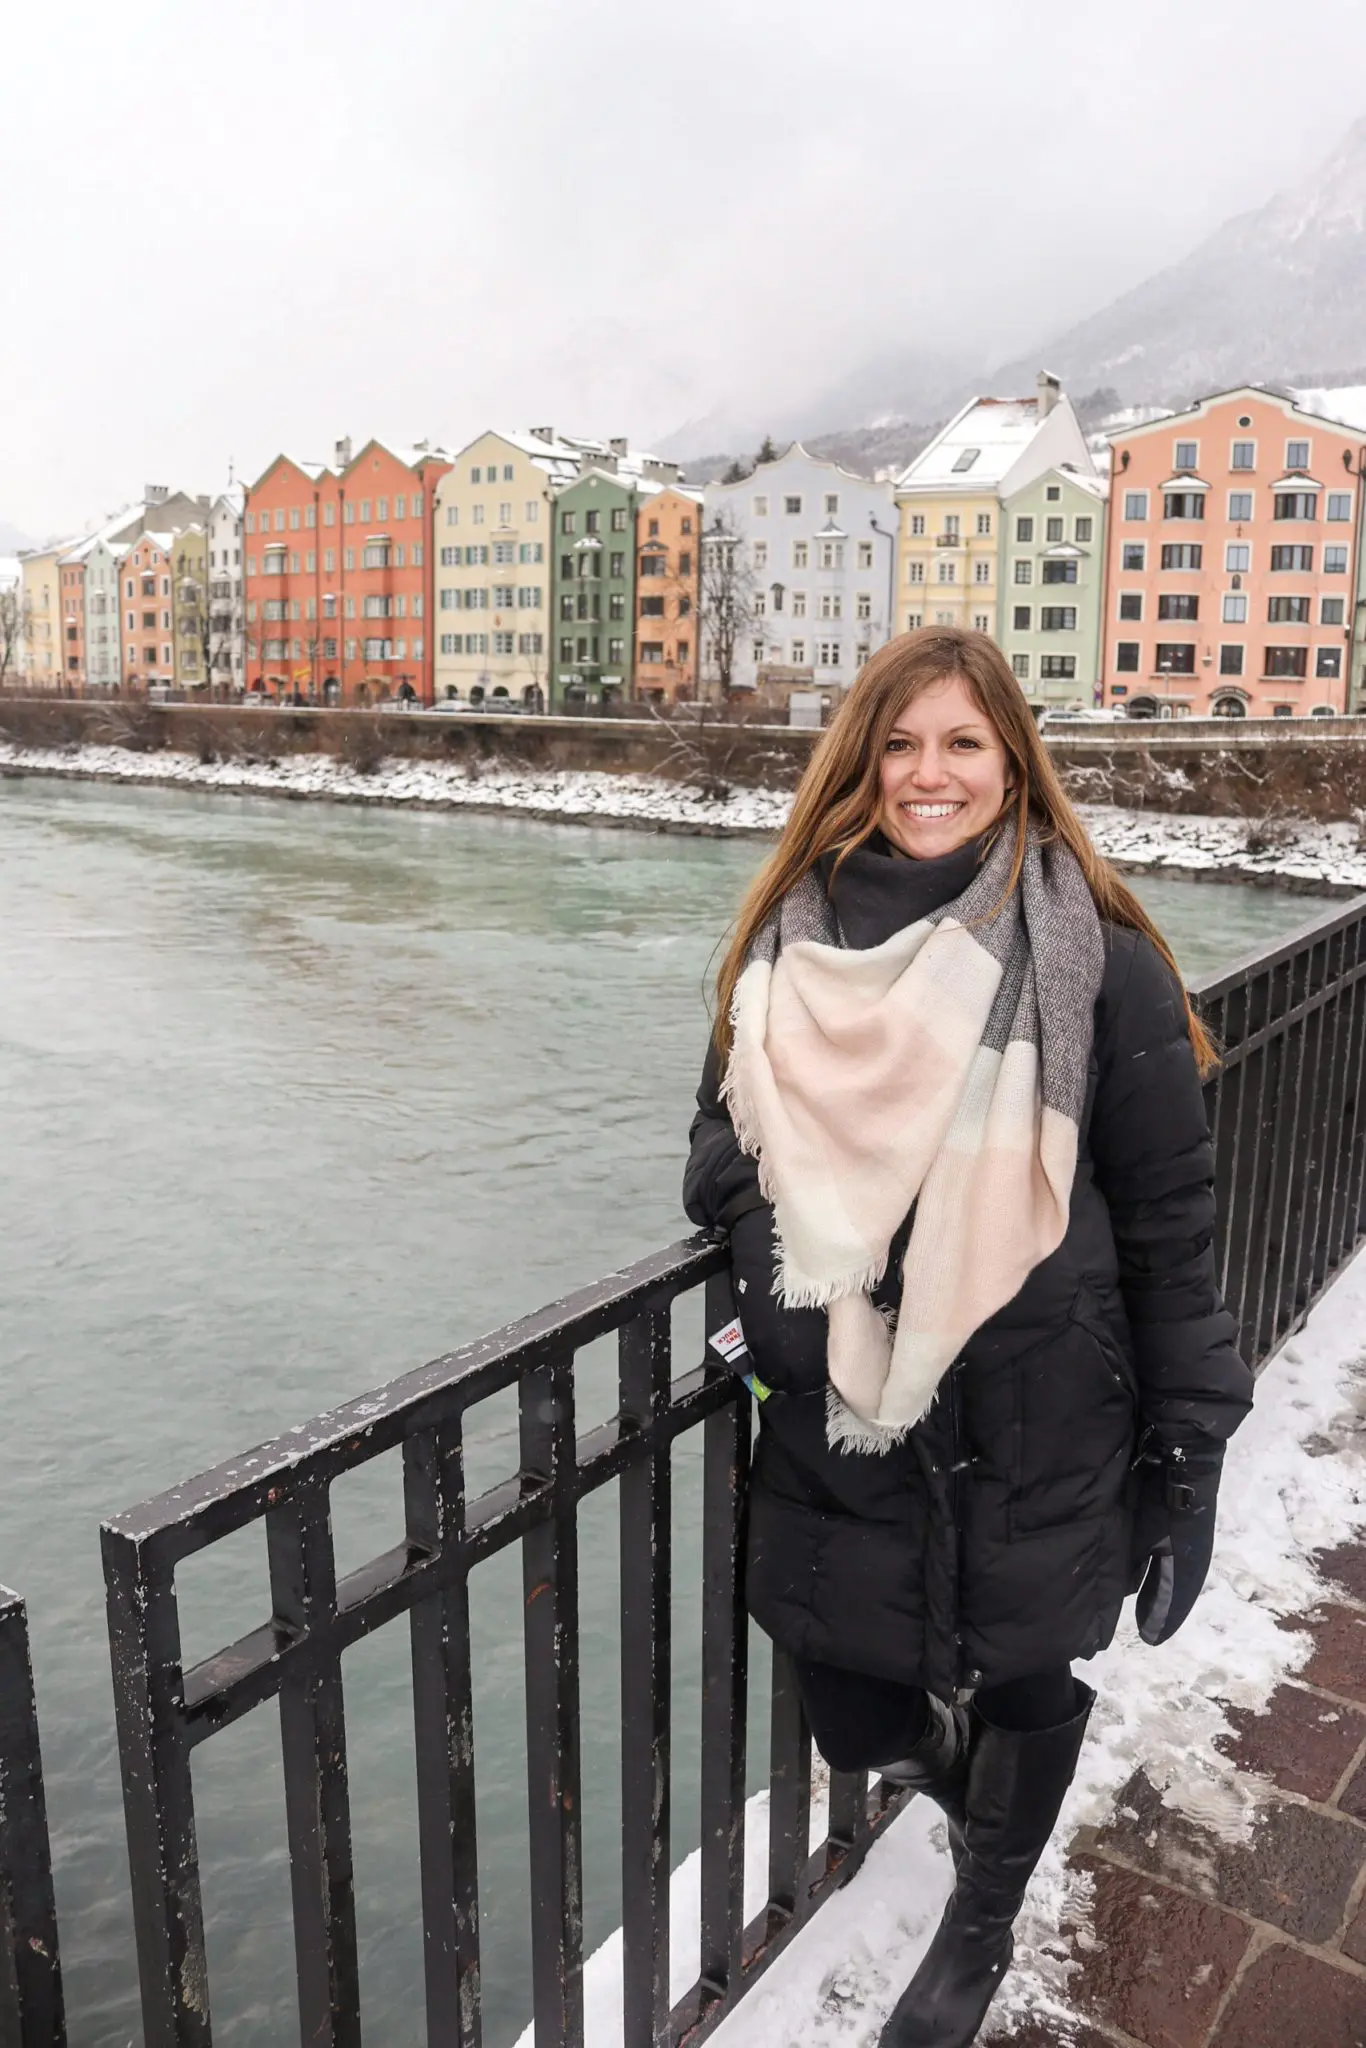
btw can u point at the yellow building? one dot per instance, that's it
(41, 598)
(492, 534)
(949, 503)
(190, 607)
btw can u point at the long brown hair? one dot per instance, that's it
(839, 799)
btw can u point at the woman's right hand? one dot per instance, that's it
(787, 1346)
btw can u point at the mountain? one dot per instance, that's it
(888, 392)
(11, 539)
(1273, 296)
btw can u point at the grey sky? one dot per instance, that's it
(259, 226)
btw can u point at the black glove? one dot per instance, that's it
(1174, 1536)
(786, 1346)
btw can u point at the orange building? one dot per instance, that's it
(145, 612)
(71, 595)
(338, 577)
(1233, 561)
(668, 529)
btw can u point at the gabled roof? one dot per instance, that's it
(994, 432)
(1291, 404)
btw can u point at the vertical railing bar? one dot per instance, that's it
(1356, 1164)
(32, 2013)
(1268, 1126)
(303, 1589)
(645, 1374)
(1327, 1114)
(1257, 996)
(1345, 1224)
(789, 1803)
(443, 1720)
(725, 1662)
(158, 1795)
(550, 1591)
(1289, 1178)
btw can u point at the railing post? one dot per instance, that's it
(31, 2009)
(725, 1672)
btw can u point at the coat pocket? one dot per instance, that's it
(1075, 1430)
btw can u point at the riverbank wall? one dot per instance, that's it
(1269, 770)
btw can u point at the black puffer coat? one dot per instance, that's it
(994, 1540)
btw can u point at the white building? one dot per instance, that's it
(103, 640)
(815, 552)
(227, 641)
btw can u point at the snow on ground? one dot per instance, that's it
(1295, 1484)
(1326, 857)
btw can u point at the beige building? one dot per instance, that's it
(949, 503)
(190, 608)
(492, 536)
(41, 598)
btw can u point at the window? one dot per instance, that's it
(980, 621)
(1024, 572)
(863, 606)
(1185, 455)
(616, 563)
(504, 515)
(827, 654)
(504, 597)
(1239, 507)
(761, 554)
(349, 518)
(1024, 531)
(984, 523)
(1231, 659)
(1135, 504)
(530, 643)
(1178, 605)
(1022, 616)
(915, 572)
(504, 643)
(1134, 555)
(652, 607)
(951, 526)
(400, 506)
(1060, 572)
(832, 604)
(450, 643)
(1328, 661)
(1297, 558)
(799, 604)
(761, 508)
(566, 649)
(375, 555)
(917, 525)
(1058, 618)
(616, 604)
(1339, 506)
(1183, 505)
(530, 597)
(1176, 657)
(477, 555)
(505, 551)
(1058, 668)
(832, 504)
(616, 652)
(798, 654)
(531, 512)
(531, 551)
(1126, 657)
(981, 572)
(1288, 611)
(476, 474)
(1286, 661)
(507, 472)
(1297, 455)
(793, 507)
(832, 554)
(452, 515)
(1183, 554)
(865, 554)
(1243, 455)
(568, 522)
(1053, 493)
(591, 521)
(1235, 608)
(1020, 667)
(914, 621)
(1237, 558)
(1295, 505)
(1335, 561)
(799, 554)
(1052, 529)
(948, 572)
(1083, 529)
(330, 515)
(1331, 611)
(1131, 604)
(965, 460)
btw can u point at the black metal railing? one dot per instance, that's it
(31, 2014)
(1289, 1118)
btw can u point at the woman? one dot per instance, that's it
(952, 1121)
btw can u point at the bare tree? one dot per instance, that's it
(727, 592)
(14, 617)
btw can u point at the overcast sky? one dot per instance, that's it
(262, 225)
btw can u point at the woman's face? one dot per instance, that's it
(945, 773)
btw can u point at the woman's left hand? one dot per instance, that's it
(1175, 1529)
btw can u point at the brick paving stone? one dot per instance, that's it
(1159, 1961)
(1295, 2001)
(1354, 1940)
(1339, 1659)
(1302, 1743)
(1296, 1871)
(1353, 1798)
(1346, 1567)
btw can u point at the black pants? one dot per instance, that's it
(860, 1722)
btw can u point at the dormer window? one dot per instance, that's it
(965, 461)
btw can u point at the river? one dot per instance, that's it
(291, 1099)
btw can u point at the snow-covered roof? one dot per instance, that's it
(1296, 480)
(1182, 481)
(975, 450)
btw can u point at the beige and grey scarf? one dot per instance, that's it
(943, 1071)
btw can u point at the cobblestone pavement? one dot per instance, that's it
(1198, 1942)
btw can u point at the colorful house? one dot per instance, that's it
(148, 612)
(668, 558)
(950, 502)
(190, 607)
(338, 577)
(1234, 561)
(1051, 575)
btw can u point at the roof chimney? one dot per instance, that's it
(342, 455)
(1050, 391)
(620, 446)
(156, 494)
(544, 433)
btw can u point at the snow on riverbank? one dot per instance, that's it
(1288, 1493)
(1317, 858)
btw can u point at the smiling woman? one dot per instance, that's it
(952, 1121)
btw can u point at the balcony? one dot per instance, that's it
(948, 540)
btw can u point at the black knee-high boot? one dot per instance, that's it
(937, 1767)
(1016, 1784)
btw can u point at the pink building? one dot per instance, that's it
(1233, 561)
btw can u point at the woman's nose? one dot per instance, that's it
(930, 771)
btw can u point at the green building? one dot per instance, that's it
(1052, 577)
(594, 585)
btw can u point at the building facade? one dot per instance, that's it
(41, 605)
(810, 550)
(71, 592)
(595, 586)
(1051, 577)
(227, 616)
(949, 502)
(493, 531)
(668, 560)
(103, 635)
(1234, 561)
(337, 583)
(190, 607)
(147, 614)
